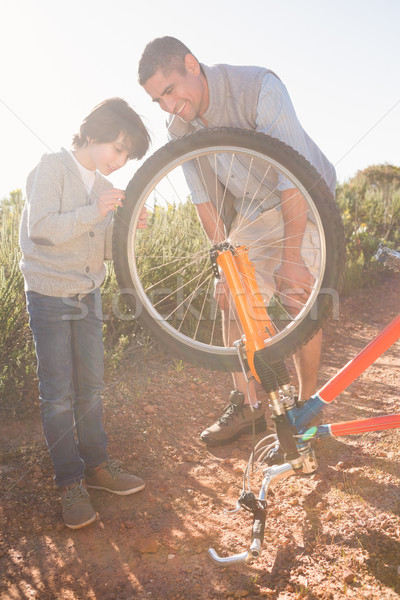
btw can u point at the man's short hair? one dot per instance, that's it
(165, 53)
(105, 123)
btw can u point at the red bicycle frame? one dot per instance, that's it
(339, 382)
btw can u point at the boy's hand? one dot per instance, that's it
(110, 200)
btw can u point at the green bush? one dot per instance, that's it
(370, 208)
(17, 357)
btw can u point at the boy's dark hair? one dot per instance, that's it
(165, 53)
(105, 123)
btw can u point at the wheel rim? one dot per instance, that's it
(176, 289)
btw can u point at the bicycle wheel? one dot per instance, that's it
(165, 271)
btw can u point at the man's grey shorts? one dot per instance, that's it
(265, 237)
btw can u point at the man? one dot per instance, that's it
(254, 98)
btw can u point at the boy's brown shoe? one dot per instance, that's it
(110, 476)
(76, 508)
(236, 420)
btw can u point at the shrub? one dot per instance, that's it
(370, 208)
(17, 357)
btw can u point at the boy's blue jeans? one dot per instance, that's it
(70, 355)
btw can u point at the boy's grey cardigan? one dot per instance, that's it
(63, 237)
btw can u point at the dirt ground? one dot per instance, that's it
(332, 535)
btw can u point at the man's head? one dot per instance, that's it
(173, 77)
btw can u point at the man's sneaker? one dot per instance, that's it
(76, 507)
(109, 476)
(236, 420)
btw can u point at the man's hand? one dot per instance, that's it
(294, 284)
(110, 200)
(142, 221)
(293, 280)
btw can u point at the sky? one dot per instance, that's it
(339, 59)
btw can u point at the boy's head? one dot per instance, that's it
(173, 77)
(110, 120)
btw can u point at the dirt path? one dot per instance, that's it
(333, 535)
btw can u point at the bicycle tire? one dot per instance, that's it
(131, 259)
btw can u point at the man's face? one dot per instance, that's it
(185, 95)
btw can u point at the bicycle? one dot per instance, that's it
(171, 292)
(299, 417)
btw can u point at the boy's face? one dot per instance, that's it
(108, 156)
(185, 95)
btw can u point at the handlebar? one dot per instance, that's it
(271, 476)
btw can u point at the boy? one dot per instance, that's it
(65, 229)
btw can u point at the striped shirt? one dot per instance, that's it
(275, 116)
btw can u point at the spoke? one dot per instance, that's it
(188, 305)
(245, 187)
(172, 185)
(202, 308)
(186, 300)
(260, 216)
(182, 269)
(214, 322)
(200, 170)
(199, 256)
(258, 202)
(177, 290)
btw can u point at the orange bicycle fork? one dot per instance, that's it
(252, 314)
(240, 276)
(257, 326)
